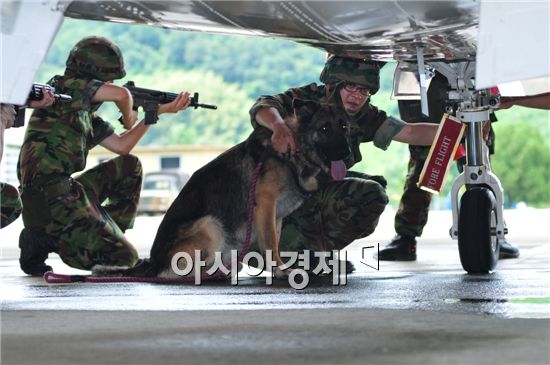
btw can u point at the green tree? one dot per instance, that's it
(522, 163)
(259, 65)
(229, 124)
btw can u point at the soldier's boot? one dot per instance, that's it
(35, 247)
(400, 248)
(508, 251)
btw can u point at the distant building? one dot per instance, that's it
(186, 159)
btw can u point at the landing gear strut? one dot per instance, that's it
(478, 221)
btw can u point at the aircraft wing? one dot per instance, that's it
(380, 30)
(508, 41)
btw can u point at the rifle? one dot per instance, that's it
(36, 93)
(150, 100)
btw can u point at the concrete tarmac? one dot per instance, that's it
(424, 312)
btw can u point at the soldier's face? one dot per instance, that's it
(353, 99)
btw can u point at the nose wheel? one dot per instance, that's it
(477, 225)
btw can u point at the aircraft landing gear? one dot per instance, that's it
(478, 223)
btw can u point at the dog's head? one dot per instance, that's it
(322, 132)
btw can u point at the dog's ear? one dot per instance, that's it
(304, 109)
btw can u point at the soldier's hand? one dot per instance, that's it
(47, 99)
(283, 140)
(7, 116)
(181, 102)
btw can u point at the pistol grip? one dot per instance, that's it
(19, 119)
(151, 113)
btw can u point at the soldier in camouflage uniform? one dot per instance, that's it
(82, 217)
(414, 206)
(10, 202)
(341, 211)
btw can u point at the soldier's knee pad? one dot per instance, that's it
(133, 159)
(131, 164)
(373, 192)
(363, 193)
(364, 201)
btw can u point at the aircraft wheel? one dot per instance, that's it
(477, 241)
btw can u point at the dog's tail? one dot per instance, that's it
(143, 268)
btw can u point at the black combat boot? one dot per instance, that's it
(508, 251)
(400, 248)
(35, 247)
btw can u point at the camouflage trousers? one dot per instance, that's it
(10, 204)
(88, 223)
(335, 215)
(412, 214)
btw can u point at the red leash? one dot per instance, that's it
(52, 278)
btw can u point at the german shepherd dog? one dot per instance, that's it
(210, 212)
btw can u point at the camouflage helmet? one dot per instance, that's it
(96, 57)
(366, 73)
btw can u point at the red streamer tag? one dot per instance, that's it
(443, 149)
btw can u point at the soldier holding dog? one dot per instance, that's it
(82, 218)
(341, 211)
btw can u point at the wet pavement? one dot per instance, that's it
(428, 312)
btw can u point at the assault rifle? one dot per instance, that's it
(36, 93)
(150, 100)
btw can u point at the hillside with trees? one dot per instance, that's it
(231, 71)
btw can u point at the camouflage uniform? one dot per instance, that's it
(341, 211)
(412, 214)
(10, 204)
(86, 216)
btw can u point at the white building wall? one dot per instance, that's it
(191, 158)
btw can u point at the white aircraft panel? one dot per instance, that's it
(525, 87)
(27, 31)
(514, 42)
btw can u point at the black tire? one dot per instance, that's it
(477, 241)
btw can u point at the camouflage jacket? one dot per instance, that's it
(58, 138)
(369, 125)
